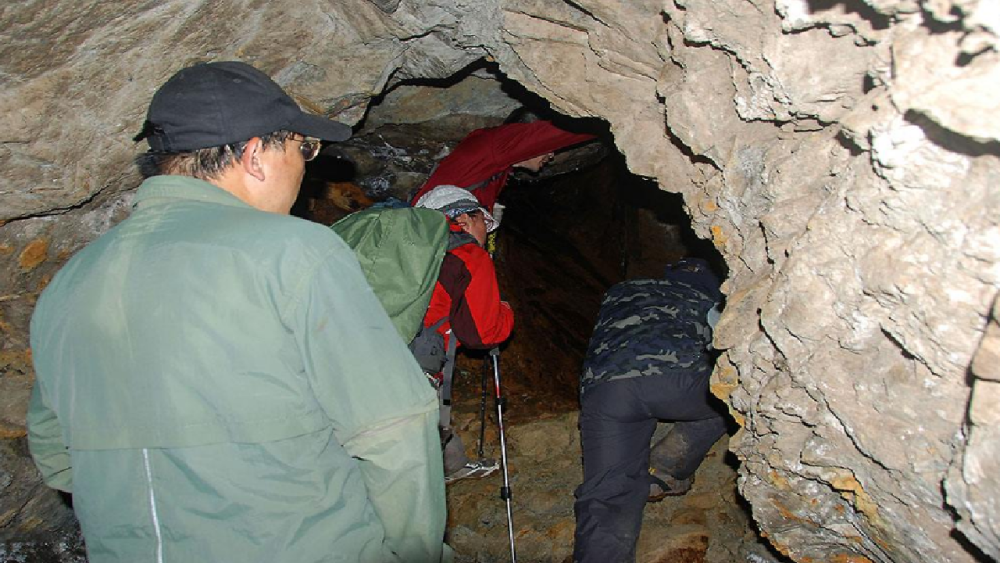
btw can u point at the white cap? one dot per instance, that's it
(454, 201)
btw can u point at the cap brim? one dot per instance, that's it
(491, 223)
(320, 127)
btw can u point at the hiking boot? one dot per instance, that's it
(667, 486)
(472, 470)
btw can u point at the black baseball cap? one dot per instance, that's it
(215, 104)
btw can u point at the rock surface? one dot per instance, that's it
(707, 525)
(841, 156)
(975, 474)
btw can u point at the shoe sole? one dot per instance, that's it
(477, 474)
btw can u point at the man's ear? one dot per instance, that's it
(250, 162)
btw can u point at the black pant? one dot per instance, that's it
(617, 420)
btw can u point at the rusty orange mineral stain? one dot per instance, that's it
(852, 491)
(782, 548)
(791, 516)
(724, 381)
(779, 480)
(849, 558)
(718, 237)
(34, 254)
(11, 431)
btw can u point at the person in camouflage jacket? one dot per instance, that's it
(649, 359)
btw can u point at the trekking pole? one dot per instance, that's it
(505, 492)
(491, 246)
(482, 405)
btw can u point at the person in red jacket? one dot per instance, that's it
(467, 297)
(483, 160)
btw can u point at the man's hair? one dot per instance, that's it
(207, 163)
(521, 115)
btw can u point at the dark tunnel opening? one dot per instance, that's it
(566, 238)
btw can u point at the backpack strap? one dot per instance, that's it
(448, 374)
(459, 238)
(471, 187)
(436, 325)
(455, 240)
(483, 183)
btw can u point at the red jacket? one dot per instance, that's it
(467, 292)
(486, 155)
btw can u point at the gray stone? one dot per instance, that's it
(841, 156)
(975, 473)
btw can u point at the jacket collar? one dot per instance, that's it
(160, 189)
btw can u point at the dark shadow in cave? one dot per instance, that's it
(565, 240)
(877, 20)
(972, 549)
(479, 65)
(950, 140)
(332, 166)
(563, 243)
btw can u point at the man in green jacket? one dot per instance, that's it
(216, 381)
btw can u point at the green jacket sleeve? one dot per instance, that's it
(401, 466)
(383, 410)
(45, 442)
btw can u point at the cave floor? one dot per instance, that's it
(708, 525)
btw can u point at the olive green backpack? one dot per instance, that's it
(400, 251)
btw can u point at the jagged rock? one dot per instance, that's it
(36, 524)
(975, 475)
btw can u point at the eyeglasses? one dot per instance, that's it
(308, 147)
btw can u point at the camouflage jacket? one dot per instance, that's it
(649, 327)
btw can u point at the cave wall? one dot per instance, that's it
(841, 155)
